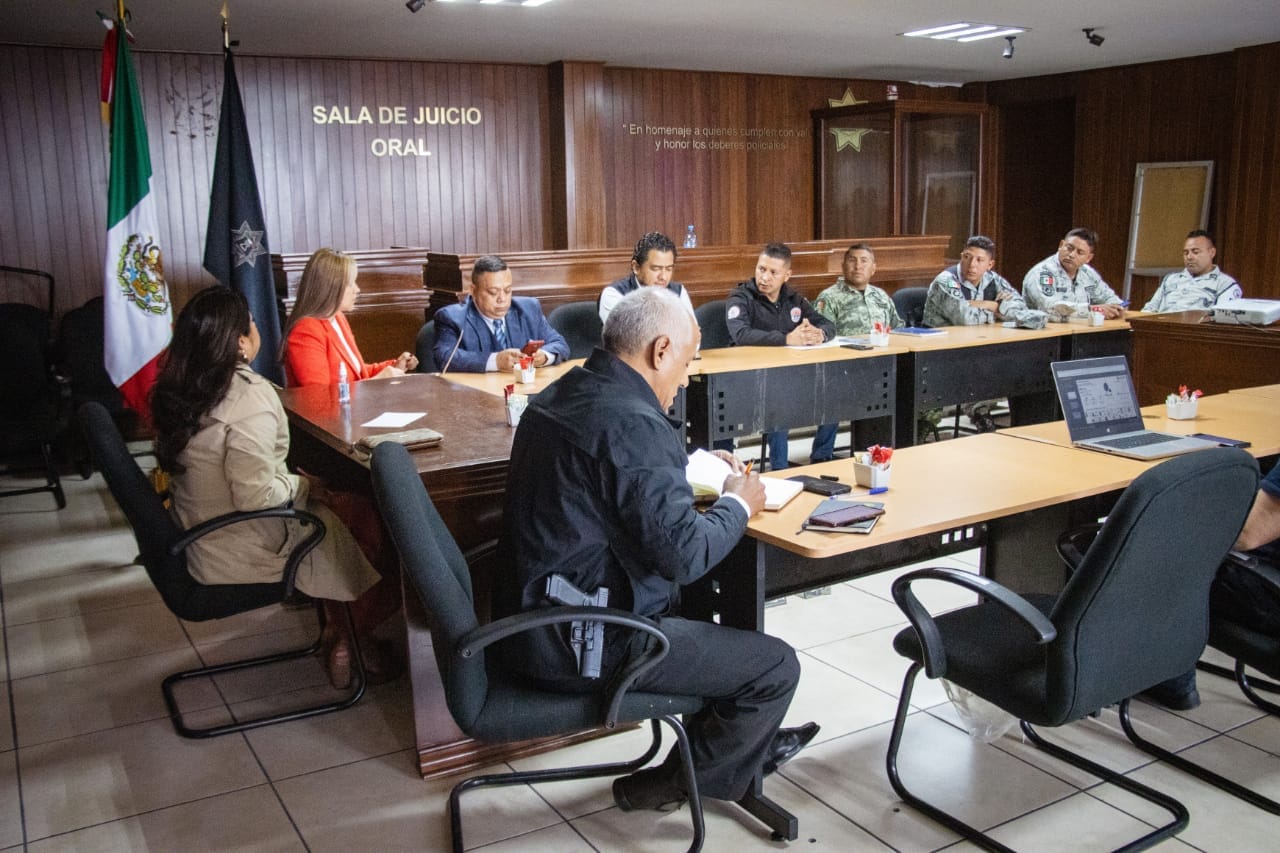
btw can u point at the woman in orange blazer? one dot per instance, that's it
(317, 338)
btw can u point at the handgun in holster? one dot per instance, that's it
(586, 635)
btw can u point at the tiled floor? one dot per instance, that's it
(88, 760)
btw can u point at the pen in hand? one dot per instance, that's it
(747, 471)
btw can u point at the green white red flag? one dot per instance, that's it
(139, 320)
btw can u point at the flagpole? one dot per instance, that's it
(226, 28)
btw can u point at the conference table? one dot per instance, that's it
(1270, 391)
(966, 364)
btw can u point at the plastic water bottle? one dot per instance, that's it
(344, 387)
(690, 239)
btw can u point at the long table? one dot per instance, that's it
(966, 364)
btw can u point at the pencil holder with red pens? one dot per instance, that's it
(871, 468)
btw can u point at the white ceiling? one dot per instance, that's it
(826, 38)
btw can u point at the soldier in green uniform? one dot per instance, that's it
(853, 303)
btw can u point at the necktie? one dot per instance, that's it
(500, 334)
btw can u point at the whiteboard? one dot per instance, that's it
(1169, 200)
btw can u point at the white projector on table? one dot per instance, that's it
(1251, 312)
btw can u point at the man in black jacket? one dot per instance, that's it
(766, 312)
(596, 492)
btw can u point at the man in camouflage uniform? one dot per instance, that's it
(972, 293)
(1200, 285)
(1063, 285)
(853, 303)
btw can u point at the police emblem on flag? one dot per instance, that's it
(246, 245)
(140, 274)
(1046, 283)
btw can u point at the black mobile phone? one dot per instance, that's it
(821, 487)
(858, 346)
(1222, 440)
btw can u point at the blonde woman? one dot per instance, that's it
(317, 338)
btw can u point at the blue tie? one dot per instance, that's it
(500, 333)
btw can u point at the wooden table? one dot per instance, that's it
(1010, 497)
(1183, 348)
(741, 391)
(466, 476)
(1255, 419)
(1269, 391)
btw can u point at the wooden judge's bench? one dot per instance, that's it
(401, 288)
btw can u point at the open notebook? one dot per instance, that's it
(706, 473)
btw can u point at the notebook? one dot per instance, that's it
(918, 331)
(1102, 413)
(706, 473)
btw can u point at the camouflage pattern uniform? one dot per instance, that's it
(1180, 291)
(949, 295)
(854, 311)
(1049, 288)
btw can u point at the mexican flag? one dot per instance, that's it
(139, 321)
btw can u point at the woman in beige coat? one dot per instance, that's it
(223, 437)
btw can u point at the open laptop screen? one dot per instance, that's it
(1097, 397)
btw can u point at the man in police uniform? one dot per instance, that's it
(853, 303)
(766, 312)
(1200, 285)
(972, 292)
(1064, 285)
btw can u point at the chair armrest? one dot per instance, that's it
(935, 659)
(1261, 569)
(299, 551)
(518, 623)
(1073, 544)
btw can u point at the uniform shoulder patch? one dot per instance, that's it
(796, 314)
(734, 311)
(1047, 283)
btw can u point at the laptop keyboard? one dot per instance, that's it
(1142, 439)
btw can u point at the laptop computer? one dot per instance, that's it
(1102, 411)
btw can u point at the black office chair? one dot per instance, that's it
(162, 543)
(909, 302)
(81, 360)
(424, 348)
(1132, 615)
(1247, 645)
(31, 412)
(580, 324)
(489, 703)
(715, 331)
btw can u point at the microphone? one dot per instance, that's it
(462, 329)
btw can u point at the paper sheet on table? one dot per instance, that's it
(393, 420)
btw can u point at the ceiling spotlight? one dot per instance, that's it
(1008, 48)
(1093, 38)
(415, 5)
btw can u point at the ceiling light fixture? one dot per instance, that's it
(1094, 39)
(1008, 49)
(965, 31)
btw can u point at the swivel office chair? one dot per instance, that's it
(909, 302)
(715, 331)
(424, 347)
(1118, 627)
(489, 703)
(580, 324)
(161, 544)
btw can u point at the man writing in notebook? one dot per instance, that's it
(766, 312)
(489, 330)
(596, 493)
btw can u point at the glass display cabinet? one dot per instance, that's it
(901, 168)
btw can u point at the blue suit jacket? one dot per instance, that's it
(524, 323)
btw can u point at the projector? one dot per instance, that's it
(1249, 312)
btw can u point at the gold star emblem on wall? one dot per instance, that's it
(847, 101)
(849, 137)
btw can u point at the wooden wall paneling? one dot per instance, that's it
(1252, 254)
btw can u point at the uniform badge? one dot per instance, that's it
(795, 314)
(734, 312)
(1046, 283)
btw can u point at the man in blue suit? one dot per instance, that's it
(487, 332)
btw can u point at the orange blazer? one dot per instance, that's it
(314, 352)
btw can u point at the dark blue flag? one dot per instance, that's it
(235, 250)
